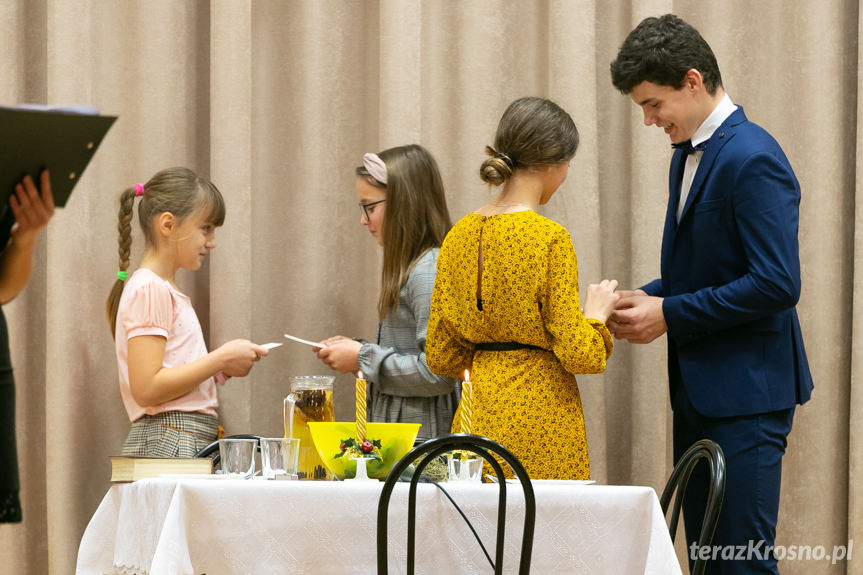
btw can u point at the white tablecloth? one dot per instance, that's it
(216, 527)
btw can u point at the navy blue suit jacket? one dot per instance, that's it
(731, 277)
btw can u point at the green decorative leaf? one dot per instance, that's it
(353, 443)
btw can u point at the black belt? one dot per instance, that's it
(504, 346)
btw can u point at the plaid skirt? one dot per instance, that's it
(171, 434)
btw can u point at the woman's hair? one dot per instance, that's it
(531, 132)
(178, 191)
(416, 217)
(661, 51)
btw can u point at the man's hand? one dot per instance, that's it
(638, 319)
(625, 293)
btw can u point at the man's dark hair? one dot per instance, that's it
(661, 51)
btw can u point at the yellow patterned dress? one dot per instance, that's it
(524, 290)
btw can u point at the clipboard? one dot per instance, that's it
(63, 140)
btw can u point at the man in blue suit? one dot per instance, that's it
(730, 283)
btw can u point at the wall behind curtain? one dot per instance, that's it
(277, 102)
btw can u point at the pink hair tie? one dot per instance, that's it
(375, 167)
(139, 190)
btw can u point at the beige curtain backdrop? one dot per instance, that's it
(277, 101)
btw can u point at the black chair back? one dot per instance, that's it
(214, 447)
(430, 450)
(712, 453)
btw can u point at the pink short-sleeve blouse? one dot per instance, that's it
(151, 306)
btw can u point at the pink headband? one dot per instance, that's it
(376, 167)
(139, 190)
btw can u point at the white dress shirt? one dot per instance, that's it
(719, 114)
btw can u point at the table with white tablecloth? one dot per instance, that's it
(205, 526)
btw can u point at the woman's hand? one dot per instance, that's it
(239, 355)
(601, 300)
(341, 353)
(33, 209)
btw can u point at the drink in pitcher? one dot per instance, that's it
(311, 399)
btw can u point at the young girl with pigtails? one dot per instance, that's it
(167, 377)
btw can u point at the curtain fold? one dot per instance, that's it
(231, 169)
(855, 380)
(277, 101)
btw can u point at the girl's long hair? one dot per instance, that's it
(416, 217)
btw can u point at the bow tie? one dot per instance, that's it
(688, 148)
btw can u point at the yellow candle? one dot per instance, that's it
(466, 402)
(361, 407)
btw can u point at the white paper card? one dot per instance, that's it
(305, 341)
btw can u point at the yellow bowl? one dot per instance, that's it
(396, 440)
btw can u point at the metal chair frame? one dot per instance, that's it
(429, 451)
(677, 482)
(214, 447)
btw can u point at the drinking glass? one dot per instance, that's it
(279, 457)
(464, 468)
(238, 457)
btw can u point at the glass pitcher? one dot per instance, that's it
(311, 399)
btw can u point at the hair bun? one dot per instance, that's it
(496, 169)
(506, 160)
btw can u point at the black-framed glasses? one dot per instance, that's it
(367, 214)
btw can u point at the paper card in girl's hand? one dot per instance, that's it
(305, 341)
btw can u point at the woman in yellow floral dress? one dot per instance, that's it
(506, 307)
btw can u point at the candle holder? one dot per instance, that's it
(362, 474)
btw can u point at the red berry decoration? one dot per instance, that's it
(367, 446)
(342, 446)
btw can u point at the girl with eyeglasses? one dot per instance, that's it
(402, 204)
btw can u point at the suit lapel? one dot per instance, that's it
(675, 174)
(723, 134)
